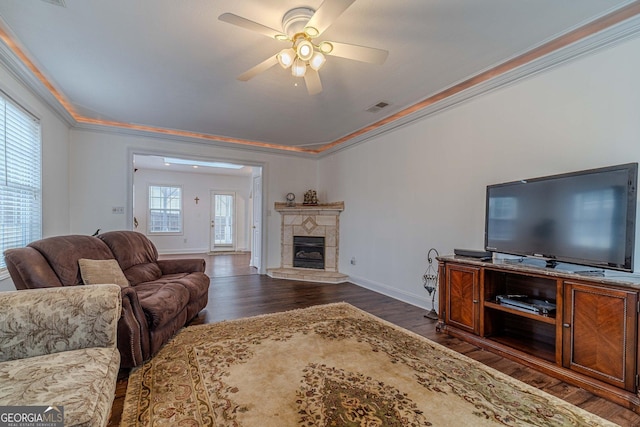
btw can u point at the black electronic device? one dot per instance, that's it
(529, 305)
(472, 253)
(586, 217)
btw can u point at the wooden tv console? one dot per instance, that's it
(590, 341)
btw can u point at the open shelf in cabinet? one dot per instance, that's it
(498, 283)
(529, 332)
(522, 331)
(551, 319)
(541, 350)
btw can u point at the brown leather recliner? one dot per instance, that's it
(162, 297)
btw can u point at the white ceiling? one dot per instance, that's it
(173, 65)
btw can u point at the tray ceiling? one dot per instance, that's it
(171, 65)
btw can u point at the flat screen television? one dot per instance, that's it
(586, 217)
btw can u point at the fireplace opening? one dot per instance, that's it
(308, 252)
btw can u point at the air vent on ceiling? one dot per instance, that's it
(377, 107)
(56, 2)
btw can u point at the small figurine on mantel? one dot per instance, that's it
(310, 198)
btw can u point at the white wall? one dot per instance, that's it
(55, 166)
(423, 185)
(196, 217)
(100, 173)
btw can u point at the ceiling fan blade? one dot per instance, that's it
(328, 12)
(263, 66)
(249, 25)
(312, 79)
(359, 53)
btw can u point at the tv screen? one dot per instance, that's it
(585, 217)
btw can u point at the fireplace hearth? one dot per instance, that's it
(308, 252)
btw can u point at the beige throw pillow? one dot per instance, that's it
(94, 271)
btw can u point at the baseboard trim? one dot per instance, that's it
(194, 251)
(238, 252)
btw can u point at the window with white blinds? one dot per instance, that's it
(20, 177)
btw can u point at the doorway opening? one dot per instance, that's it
(220, 210)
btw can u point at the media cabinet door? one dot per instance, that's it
(600, 334)
(463, 296)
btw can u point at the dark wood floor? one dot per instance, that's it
(233, 297)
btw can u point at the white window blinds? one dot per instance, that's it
(20, 177)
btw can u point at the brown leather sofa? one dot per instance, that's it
(162, 297)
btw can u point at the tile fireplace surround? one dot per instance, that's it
(321, 220)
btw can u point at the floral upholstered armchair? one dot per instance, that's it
(58, 348)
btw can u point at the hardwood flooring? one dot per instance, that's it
(233, 297)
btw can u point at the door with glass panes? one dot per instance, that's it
(223, 221)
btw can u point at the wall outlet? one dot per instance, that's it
(117, 210)
(353, 260)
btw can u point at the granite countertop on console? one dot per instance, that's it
(610, 277)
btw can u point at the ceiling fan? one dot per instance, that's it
(300, 26)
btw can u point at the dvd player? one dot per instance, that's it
(524, 303)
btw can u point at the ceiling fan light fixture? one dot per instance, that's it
(325, 47)
(300, 26)
(311, 32)
(286, 57)
(305, 50)
(299, 68)
(317, 61)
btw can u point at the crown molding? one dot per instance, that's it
(192, 137)
(16, 66)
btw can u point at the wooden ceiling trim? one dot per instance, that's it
(6, 38)
(188, 134)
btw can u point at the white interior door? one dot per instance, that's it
(223, 221)
(256, 228)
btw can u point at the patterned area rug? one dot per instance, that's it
(331, 365)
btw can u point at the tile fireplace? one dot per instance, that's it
(310, 236)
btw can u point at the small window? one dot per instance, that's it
(165, 209)
(20, 182)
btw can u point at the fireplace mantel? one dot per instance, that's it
(321, 220)
(300, 208)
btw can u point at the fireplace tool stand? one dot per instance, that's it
(430, 283)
